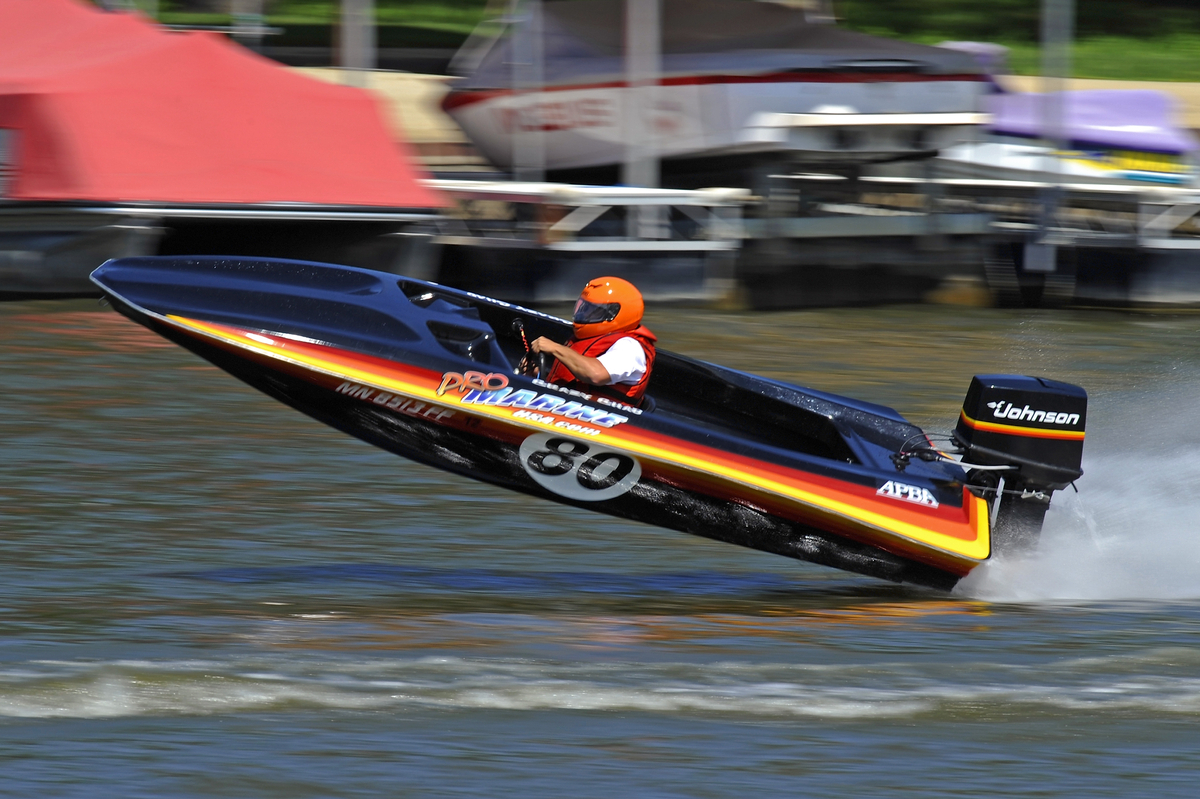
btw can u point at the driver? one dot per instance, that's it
(610, 353)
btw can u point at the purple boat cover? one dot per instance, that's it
(1116, 119)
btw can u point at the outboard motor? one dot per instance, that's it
(1026, 436)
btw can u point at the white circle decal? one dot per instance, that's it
(578, 469)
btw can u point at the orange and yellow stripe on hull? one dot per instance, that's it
(953, 539)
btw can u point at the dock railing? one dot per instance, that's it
(578, 218)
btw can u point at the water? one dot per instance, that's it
(206, 594)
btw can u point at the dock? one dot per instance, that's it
(539, 242)
(820, 240)
(806, 239)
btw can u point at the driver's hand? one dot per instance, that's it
(543, 344)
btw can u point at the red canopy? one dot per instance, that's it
(110, 107)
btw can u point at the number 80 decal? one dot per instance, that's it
(578, 469)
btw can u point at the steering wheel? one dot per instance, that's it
(536, 364)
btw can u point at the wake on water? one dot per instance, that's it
(1133, 529)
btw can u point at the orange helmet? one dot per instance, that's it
(607, 305)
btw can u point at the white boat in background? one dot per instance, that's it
(741, 84)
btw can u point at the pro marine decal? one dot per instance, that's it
(525, 399)
(471, 381)
(492, 389)
(914, 494)
(578, 469)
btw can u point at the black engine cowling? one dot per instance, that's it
(1036, 427)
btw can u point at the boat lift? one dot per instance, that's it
(539, 242)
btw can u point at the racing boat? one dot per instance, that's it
(436, 375)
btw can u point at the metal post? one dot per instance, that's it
(643, 69)
(6, 160)
(1058, 31)
(819, 12)
(358, 40)
(247, 23)
(529, 137)
(1058, 23)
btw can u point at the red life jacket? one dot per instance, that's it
(630, 393)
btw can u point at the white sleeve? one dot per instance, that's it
(625, 361)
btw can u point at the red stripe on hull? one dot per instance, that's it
(458, 99)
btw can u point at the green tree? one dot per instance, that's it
(1017, 20)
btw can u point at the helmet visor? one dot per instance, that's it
(589, 313)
